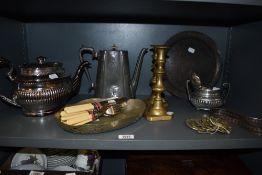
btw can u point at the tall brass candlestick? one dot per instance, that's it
(153, 80)
(156, 108)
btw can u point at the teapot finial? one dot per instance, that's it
(41, 60)
(114, 47)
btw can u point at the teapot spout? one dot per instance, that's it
(137, 71)
(9, 100)
(77, 79)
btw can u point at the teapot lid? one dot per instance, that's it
(42, 68)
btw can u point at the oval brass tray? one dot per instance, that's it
(130, 114)
(191, 51)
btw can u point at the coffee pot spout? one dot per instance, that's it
(137, 71)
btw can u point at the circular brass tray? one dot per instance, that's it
(129, 114)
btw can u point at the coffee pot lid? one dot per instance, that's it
(114, 48)
(42, 68)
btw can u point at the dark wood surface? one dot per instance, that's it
(20, 172)
(186, 164)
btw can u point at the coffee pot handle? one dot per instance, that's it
(91, 51)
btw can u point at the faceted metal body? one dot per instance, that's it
(113, 74)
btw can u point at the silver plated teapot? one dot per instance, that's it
(113, 76)
(43, 87)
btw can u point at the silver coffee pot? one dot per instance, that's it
(113, 76)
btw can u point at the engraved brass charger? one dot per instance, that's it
(131, 113)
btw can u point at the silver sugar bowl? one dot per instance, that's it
(205, 98)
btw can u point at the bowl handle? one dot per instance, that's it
(226, 89)
(188, 90)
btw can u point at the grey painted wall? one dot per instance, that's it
(245, 69)
(244, 74)
(62, 41)
(12, 47)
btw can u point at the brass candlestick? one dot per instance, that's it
(153, 80)
(156, 108)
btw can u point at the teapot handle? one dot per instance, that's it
(91, 51)
(5, 63)
(188, 90)
(226, 89)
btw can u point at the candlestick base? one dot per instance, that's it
(153, 118)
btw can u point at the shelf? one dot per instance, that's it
(240, 2)
(219, 12)
(16, 130)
